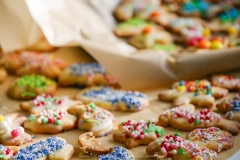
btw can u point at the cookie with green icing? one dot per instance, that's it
(29, 86)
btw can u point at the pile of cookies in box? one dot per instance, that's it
(39, 74)
(177, 26)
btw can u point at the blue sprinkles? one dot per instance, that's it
(119, 153)
(39, 149)
(131, 99)
(80, 69)
(235, 105)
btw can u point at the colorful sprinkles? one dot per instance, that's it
(197, 118)
(233, 104)
(141, 129)
(198, 87)
(4, 151)
(176, 145)
(39, 149)
(208, 134)
(131, 99)
(226, 79)
(118, 153)
(49, 117)
(80, 69)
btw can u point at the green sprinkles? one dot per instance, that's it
(177, 134)
(31, 118)
(197, 122)
(3, 156)
(44, 120)
(92, 105)
(28, 94)
(58, 122)
(180, 151)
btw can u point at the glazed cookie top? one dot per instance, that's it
(174, 144)
(141, 129)
(134, 22)
(49, 117)
(196, 118)
(4, 151)
(118, 153)
(80, 69)
(131, 99)
(198, 87)
(208, 134)
(95, 115)
(39, 149)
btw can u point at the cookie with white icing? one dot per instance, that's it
(47, 101)
(86, 74)
(11, 132)
(198, 92)
(163, 17)
(134, 133)
(30, 86)
(50, 121)
(93, 118)
(213, 138)
(186, 118)
(177, 148)
(226, 81)
(113, 99)
(52, 148)
(149, 37)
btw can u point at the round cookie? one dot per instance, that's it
(29, 86)
(3, 75)
(227, 105)
(226, 81)
(135, 133)
(213, 138)
(86, 74)
(176, 148)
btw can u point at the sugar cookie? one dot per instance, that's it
(185, 118)
(135, 133)
(7, 152)
(86, 74)
(52, 148)
(11, 132)
(199, 93)
(47, 101)
(227, 105)
(50, 121)
(176, 148)
(94, 119)
(213, 138)
(30, 86)
(3, 75)
(118, 153)
(226, 81)
(111, 99)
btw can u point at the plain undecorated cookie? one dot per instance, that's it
(113, 99)
(30, 86)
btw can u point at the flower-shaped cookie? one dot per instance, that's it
(50, 121)
(135, 133)
(11, 133)
(199, 93)
(185, 118)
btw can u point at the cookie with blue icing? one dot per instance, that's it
(52, 148)
(86, 74)
(118, 153)
(112, 99)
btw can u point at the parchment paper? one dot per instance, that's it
(89, 23)
(152, 112)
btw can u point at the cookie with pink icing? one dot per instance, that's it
(134, 133)
(226, 81)
(186, 118)
(11, 132)
(47, 101)
(50, 121)
(198, 92)
(93, 118)
(213, 138)
(177, 148)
